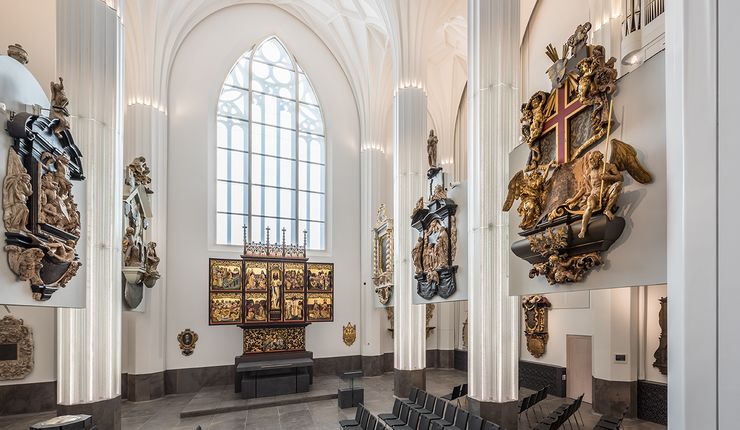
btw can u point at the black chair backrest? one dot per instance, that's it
(413, 421)
(490, 426)
(365, 417)
(461, 419)
(424, 422)
(429, 404)
(526, 403)
(450, 412)
(358, 414)
(404, 413)
(421, 398)
(475, 423)
(455, 392)
(464, 390)
(371, 423)
(412, 395)
(439, 407)
(397, 407)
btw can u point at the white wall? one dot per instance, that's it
(202, 62)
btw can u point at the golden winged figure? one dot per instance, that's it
(531, 188)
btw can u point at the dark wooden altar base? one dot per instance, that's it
(269, 379)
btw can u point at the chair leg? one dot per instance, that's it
(581, 416)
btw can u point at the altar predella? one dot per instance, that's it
(40, 213)
(569, 191)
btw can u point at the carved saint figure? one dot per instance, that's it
(442, 247)
(418, 207)
(152, 259)
(59, 102)
(578, 40)
(416, 255)
(432, 149)
(131, 248)
(533, 120)
(597, 82)
(26, 263)
(275, 284)
(138, 173)
(601, 188)
(439, 193)
(530, 189)
(16, 191)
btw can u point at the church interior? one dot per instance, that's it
(369, 214)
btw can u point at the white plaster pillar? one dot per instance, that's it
(692, 159)
(371, 326)
(89, 58)
(493, 117)
(406, 20)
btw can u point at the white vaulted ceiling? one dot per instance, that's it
(356, 32)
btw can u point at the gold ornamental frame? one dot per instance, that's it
(383, 256)
(535, 324)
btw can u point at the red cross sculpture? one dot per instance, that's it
(559, 122)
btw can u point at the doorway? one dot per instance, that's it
(578, 366)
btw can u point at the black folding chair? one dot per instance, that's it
(354, 422)
(402, 419)
(447, 420)
(412, 423)
(491, 426)
(363, 420)
(454, 394)
(475, 423)
(412, 396)
(393, 415)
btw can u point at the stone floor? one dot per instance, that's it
(164, 413)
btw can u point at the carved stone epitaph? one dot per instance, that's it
(568, 191)
(40, 213)
(16, 341)
(140, 259)
(433, 255)
(661, 354)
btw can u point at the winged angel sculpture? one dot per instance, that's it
(567, 185)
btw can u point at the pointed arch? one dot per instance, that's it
(271, 150)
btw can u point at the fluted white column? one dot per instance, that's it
(89, 58)
(409, 140)
(371, 327)
(493, 323)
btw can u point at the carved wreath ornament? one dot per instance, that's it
(13, 334)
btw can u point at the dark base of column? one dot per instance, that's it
(404, 380)
(613, 397)
(106, 414)
(503, 414)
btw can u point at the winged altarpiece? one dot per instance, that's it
(569, 191)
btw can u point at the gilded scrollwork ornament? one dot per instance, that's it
(349, 334)
(274, 339)
(187, 340)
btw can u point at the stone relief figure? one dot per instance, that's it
(578, 40)
(442, 247)
(131, 248)
(533, 120)
(16, 191)
(152, 259)
(59, 102)
(439, 193)
(418, 207)
(26, 263)
(416, 255)
(62, 251)
(432, 149)
(138, 173)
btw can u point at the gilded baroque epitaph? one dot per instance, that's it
(568, 191)
(383, 257)
(40, 213)
(140, 259)
(19, 337)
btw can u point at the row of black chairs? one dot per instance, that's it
(607, 422)
(458, 391)
(561, 415)
(423, 411)
(364, 420)
(533, 399)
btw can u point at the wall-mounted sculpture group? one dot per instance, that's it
(434, 253)
(16, 349)
(661, 353)
(383, 257)
(535, 324)
(140, 260)
(569, 192)
(40, 214)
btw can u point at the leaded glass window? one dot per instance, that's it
(271, 151)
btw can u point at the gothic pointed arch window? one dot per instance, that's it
(271, 151)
